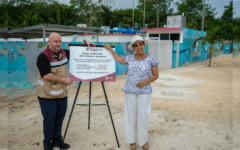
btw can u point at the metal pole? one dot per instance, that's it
(144, 16)
(110, 113)
(97, 37)
(72, 111)
(89, 113)
(173, 6)
(203, 15)
(133, 16)
(44, 35)
(157, 14)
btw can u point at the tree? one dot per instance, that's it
(62, 15)
(193, 10)
(226, 23)
(211, 38)
(30, 18)
(236, 35)
(22, 13)
(87, 10)
(152, 9)
(236, 28)
(104, 17)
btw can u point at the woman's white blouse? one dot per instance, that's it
(139, 70)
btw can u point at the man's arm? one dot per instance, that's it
(45, 71)
(54, 78)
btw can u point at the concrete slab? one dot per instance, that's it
(175, 93)
(176, 81)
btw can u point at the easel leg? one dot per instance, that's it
(89, 111)
(72, 111)
(110, 113)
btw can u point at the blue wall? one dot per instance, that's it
(3, 69)
(174, 55)
(236, 49)
(18, 70)
(189, 54)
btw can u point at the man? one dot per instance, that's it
(53, 83)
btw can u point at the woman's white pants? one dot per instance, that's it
(137, 113)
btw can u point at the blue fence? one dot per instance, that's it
(18, 68)
(189, 53)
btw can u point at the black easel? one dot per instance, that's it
(74, 103)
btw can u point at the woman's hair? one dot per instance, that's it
(141, 41)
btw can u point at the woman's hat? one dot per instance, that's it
(136, 39)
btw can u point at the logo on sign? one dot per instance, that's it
(93, 49)
(107, 78)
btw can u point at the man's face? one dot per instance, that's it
(55, 43)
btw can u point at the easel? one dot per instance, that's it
(74, 103)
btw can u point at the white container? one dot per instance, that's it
(103, 29)
(176, 21)
(107, 31)
(82, 25)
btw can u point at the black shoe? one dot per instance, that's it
(60, 144)
(47, 146)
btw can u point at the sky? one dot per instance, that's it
(218, 4)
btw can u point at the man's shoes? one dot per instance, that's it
(47, 146)
(60, 144)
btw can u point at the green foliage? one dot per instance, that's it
(126, 26)
(193, 10)
(3, 16)
(22, 13)
(30, 18)
(211, 38)
(104, 17)
(154, 8)
(236, 35)
(236, 28)
(42, 44)
(123, 16)
(225, 23)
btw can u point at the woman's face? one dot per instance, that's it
(139, 47)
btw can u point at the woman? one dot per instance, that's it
(142, 70)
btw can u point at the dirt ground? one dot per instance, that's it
(176, 124)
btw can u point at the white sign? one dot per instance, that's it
(91, 63)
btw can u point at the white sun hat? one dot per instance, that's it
(136, 39)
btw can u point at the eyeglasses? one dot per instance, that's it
(136, 45)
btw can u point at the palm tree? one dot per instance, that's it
(61, 15)
(31, 18)
(236, 36)
(212, 39)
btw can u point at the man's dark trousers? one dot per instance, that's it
(53, 112)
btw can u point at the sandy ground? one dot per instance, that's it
(236, 102)
(176, 124)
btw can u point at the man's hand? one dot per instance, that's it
(54, 78)
(90, 43)
(68, 81)
(107, 46)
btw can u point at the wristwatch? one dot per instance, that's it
(85, 42)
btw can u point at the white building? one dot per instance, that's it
(169, 34)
